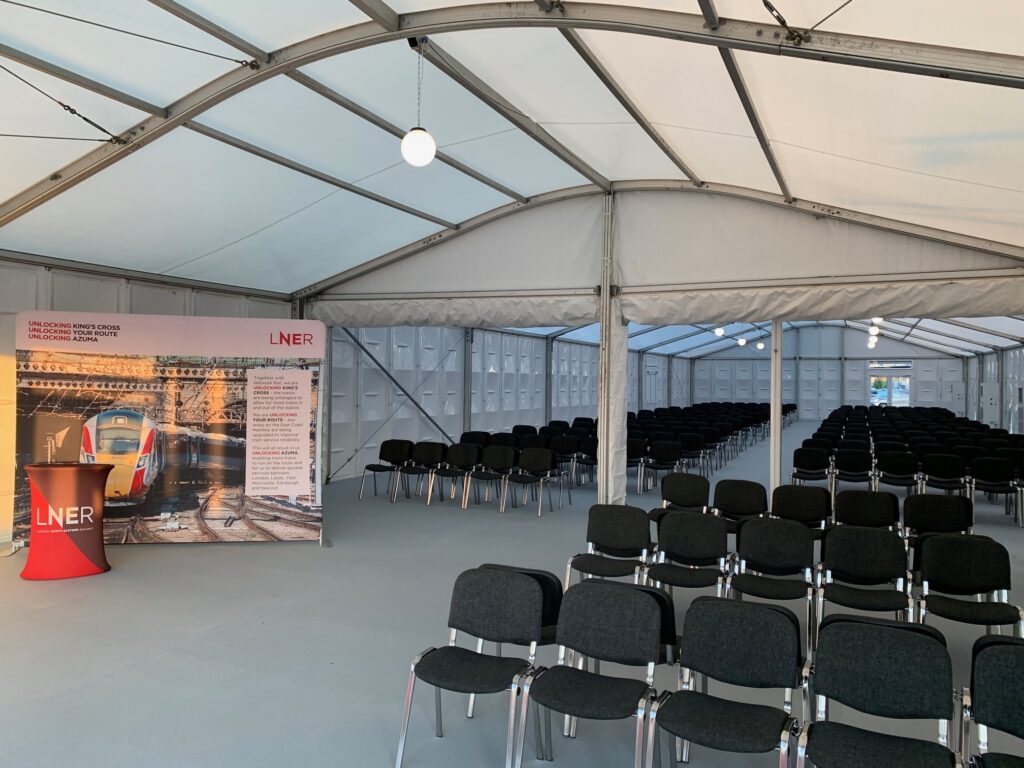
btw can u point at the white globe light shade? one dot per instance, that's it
(873, 330)
(872, 341)
(760, 345)
(719, 331)
(877, 320)
(741, 342)
(418, 147)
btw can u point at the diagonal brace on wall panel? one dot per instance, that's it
(397, 383)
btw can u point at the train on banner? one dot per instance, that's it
(212, 425)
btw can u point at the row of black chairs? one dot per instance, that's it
(880, 667)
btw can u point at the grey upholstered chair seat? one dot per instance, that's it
(835, 745)
(609, 567)
(998, 760)
(770, 588)
(465, 671)
(587, 695)
(866, 599)
(380, 468)
(524, 478)
(680, 576)
(970, 612)
(730, 726)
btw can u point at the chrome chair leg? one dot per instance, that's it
(438, 728)
(549, 753)
(406, 710)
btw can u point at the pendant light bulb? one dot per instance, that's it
(418, 147)
(760, 345)
(741, 341)
(877, 320)
(719, 331)
(874, 330)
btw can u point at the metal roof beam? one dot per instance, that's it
(68, 76)
(464, 77)
(591, 60)
(265, 154)
(713, 21)
(982, 329)
(675, 340)
(212, 29)
(380, 12)
(371, 117)
(634, 334)
(944, 334)
(935, 346)
(564, 331)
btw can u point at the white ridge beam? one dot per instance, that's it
(588, 56)
(266, 154)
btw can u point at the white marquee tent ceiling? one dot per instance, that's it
(277, 182)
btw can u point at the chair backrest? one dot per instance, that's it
(900, 463)
(691, 442)
(992, 469)
(636, 448)
(565, 445)
(668, 634)
(536, 460)
(873, 509)
(503, 438)
(559, 423)
(428, 454)
(997, 683)
(550, 586)
(619, 530)
(812, 442)
(938, 513)
(604, 622)
(883, 667)
(811, 459)
(944, 466)
(776, 547)
(693, 538)
(740, 498)
(864, 555)
(890, 446)
(803, 503)
(480, 438)
(665, 450)
(524, 429)
(959, 564)
(748, 644)
(532, 441)
(499, 458)
(395, 451)
(497, 605)
(684, 490)
(853, 460)
(852, 444)
(463, 455)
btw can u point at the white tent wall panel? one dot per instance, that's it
(26, 287)
(990, 386)
(973, 387)
(1013, 392)
(679, 370)
(508, 381)
(574, 380)
(632, 381)
(367, 408)
(655, 383)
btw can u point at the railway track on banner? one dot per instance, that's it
(136, 532)
(201, 522)
(255, 527)
(279, 515)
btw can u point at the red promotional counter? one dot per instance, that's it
(66, 539)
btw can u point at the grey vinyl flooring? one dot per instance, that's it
(288, 654)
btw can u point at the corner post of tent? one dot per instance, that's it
(612, 362)
(467, 380)
(775, 432)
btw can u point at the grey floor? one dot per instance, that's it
(292, 655)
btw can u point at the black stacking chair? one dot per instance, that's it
(503, 438)
(424, 459)
(480, 438)
(994, 699)
(898, 470)
(497, 461)
(566, 449)
(392, 454)
(812, 442)
(869, 509)
(944, 472)
(890, 446)
(662, 456)
(775, 562)
(736, 500)
(855, 562)
(810, 464)
(551, 589)
(459, 461)
(531, 440)
(851, 444)
(636, 457)
(682, 491)
(524, 429)
(693, 551)
(586, 461)
(536, 469)
(851, 466)
(618, 543)
(810, 505)
(692, 445)
(928, 513)
(967, 566)
(490, 604)
(996, 477)
(741, 644)
(883, 668)
(586, 422)
(603, 623)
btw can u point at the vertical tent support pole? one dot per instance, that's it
(611, 399)
(327, 408)
(775, 452)
(1001, 380)
(641, 379)
(668, 382)
(467, 380)
(549, 377)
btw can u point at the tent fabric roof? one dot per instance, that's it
(954, 336)
(281, 175)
